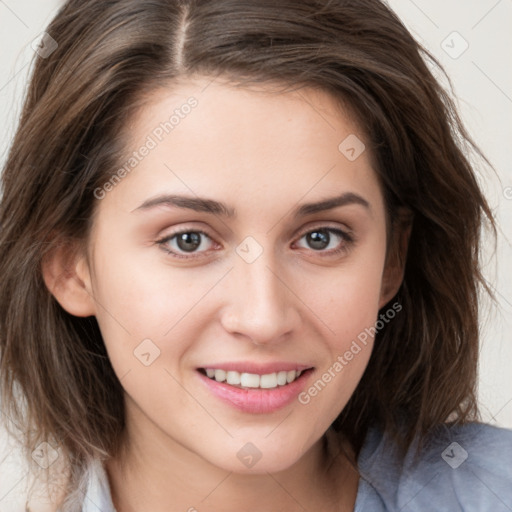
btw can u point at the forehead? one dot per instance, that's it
(237, 140)
(223, 109)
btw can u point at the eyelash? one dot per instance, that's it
(162, 243)
(347, 241)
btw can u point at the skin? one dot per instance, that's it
(263, 154)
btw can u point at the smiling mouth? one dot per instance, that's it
(245, 380)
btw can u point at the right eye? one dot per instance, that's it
(185, 241)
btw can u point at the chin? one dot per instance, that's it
(259, 456)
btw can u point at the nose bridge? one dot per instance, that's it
(261, 307)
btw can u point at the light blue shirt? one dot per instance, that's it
(465, 468)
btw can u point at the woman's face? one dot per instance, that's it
(280, 266)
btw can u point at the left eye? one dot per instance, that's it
(325, 239)
(187, 242)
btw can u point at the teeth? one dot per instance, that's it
(281, 378)
(233, 377)
(249, 380)
(268, 381)
(253, 380)
(220, 375)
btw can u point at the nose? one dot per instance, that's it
(261, 304)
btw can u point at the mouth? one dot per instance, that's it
(246, 380)
(257, 391)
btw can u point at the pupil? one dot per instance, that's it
(318, 239)
(189, 241)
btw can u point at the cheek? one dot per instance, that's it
(346, 299)
(135, 286)
(349, 311)
(145, 324)
(347, 302)
(147, 307)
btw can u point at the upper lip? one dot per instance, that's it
(257, 368)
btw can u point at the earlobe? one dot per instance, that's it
(67, 277)
(394, 270)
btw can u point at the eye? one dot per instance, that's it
(184, 242)
(325, 239)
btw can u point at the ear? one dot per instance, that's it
(396, 257)
(67, 276)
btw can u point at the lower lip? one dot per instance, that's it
(257, 400)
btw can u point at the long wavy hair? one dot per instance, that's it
(57, 383)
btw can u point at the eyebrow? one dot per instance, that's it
(201, 204)
(345, 199)
(198, 204)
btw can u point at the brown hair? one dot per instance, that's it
(422, 371)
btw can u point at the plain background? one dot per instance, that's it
(482, 80)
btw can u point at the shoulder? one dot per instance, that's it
(466, 467)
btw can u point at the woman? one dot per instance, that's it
(240, 265)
